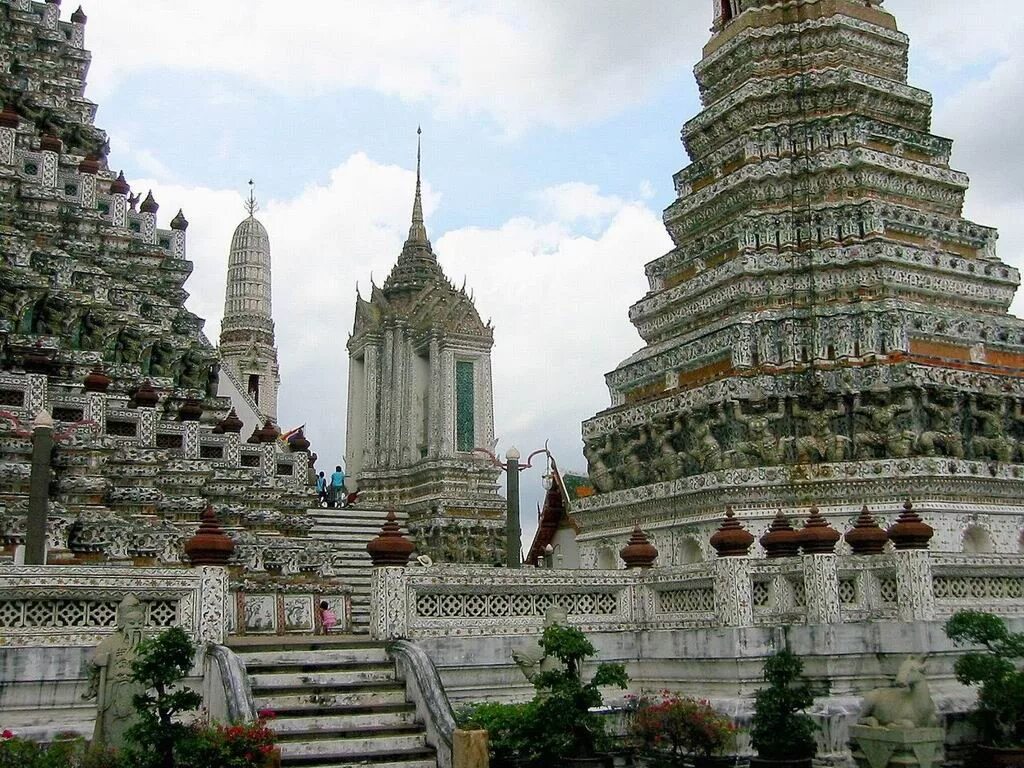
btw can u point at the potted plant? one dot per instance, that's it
(781, 733)
(999, 717)
(675, 728)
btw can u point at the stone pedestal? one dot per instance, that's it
(469, 749)
(884, 747)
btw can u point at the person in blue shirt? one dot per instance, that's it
(321, 489)
(337, 488)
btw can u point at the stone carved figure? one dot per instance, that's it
(940, 437)
(989, 417)
(90, 332)
(705, 451)
(127, 346)
(881, 434)
(635, 467)
(193, 372)
(111, 681)
(598, 460)
(761, 446)
(531, 663)
(907, 704)
(818, 441)
(669, 462)
(161, 360)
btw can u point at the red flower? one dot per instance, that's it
(7, 734)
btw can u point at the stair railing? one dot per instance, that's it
(230, 682)
(424, 688)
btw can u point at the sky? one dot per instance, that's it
(550, 136)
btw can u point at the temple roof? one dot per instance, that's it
(417, 291)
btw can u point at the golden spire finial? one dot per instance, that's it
(251, 205)
(417, 232)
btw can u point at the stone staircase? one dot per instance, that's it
(338, 702)
(349, 530)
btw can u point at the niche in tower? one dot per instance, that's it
(727, 12)
(254, 387)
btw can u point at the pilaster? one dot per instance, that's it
(821, 587)
(915, 592)
(733, 599)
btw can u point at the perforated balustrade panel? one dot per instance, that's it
(28, 613)
(500, 606)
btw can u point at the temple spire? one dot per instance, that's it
(418, 232)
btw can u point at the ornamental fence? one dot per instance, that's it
(911, 585)
(77, 605)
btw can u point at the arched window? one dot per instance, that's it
(727, 12)
(977, 541)
(689, 552)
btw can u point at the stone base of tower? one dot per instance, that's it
(455, 514)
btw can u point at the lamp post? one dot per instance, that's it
(512, 467)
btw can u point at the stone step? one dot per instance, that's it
(315, 658)
(353, 513)
(357, 746)
(248, 644)
(327, 724)
(418, 759)
(322, 701)
(353, 678)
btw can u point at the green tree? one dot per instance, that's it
(1000, 714)
(161, 663)
(780, 729)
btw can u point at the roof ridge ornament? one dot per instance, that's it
(250, 205)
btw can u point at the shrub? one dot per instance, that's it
(780, 730)
(675, 726)
(16, 752)
(1000, 714)
(225, 746)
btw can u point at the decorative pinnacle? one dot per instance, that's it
(251, 205)
(418, 232)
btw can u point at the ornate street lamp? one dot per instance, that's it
(512, 467)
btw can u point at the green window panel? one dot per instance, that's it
(465, 425)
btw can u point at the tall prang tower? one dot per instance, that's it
(828, 329)
(419, 403)
(247, 352)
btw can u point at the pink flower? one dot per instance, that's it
(7, 734)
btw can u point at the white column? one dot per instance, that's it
(387, 394)
(371, 366)
(448, 403)
(434, 416)
(484, 427)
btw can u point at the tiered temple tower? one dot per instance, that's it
(420, 402)
(247, 352)
(828, 328)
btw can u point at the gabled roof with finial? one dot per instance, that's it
(417, 290)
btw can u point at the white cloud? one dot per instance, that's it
(524, 63)
(575, 200)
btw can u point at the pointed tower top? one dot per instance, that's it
(251, 205)
(418, 232)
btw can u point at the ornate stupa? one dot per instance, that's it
(828, 329)
(247, 352)
(420, 403)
